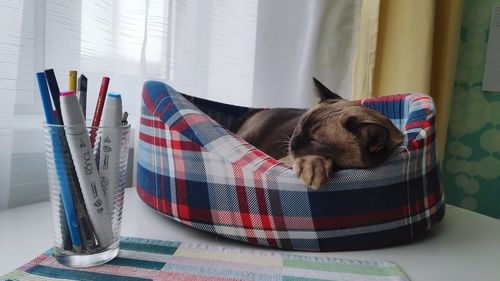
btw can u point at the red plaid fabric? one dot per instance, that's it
(194, 170)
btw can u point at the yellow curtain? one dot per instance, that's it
(415, 51)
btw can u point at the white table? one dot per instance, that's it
(464, 246)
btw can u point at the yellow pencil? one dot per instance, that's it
(72, 80)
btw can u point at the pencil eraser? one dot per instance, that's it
(114, 95)
(68, 93)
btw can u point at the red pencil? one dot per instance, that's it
(98, 107)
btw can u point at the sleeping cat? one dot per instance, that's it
(333, 134)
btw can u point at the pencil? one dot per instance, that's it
(72, 80)
(98, 108)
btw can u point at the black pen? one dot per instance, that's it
(82, 93)
(54, 92)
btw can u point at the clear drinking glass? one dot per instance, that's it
(98, 230)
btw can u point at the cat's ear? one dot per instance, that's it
(323, 92)
(372, 135)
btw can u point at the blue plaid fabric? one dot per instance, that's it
(194, 170)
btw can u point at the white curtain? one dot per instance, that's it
(245, 52)
(262, 53)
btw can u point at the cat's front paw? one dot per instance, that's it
(313, 170)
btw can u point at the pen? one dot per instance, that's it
(98, 108)
(67, 200)
(54, 91)
(45, 97)
(109, 145)
(82, 91)
(98, 209)
(86, 230)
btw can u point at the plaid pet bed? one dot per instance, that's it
(194, 170)
(145, 259)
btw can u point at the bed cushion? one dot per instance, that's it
(191, 168)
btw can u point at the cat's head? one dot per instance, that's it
(351, 135)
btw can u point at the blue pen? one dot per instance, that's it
(67, 199)
(44, 94)
(50, 119)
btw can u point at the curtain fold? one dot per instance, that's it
(415, 51)
(448, 16)
(366, 49)
(404, 47)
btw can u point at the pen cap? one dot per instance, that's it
(72, 114)
(82, 83)
(112, 114)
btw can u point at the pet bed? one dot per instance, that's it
(191, 168)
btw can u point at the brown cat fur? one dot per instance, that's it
(333, 134)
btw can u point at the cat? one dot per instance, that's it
(333, 134)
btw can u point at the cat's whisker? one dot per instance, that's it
(282, 144)
(283, 140)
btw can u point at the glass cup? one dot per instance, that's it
(86, 184)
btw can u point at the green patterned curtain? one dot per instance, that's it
(472, 156)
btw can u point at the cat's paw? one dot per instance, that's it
(313, 170)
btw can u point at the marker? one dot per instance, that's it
(72, 80)
(98, 108)
(86, 230)
(109, 146)
(98, 209)
(54, 91)
(69, 223)
(82, 91)
(86, 236)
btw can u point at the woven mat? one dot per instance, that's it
(146, 259)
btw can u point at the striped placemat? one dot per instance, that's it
(147, 259)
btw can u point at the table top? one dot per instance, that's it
(464, 246)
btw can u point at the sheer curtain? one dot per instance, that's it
(125, 40)
(245, 52)
(261, 53)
